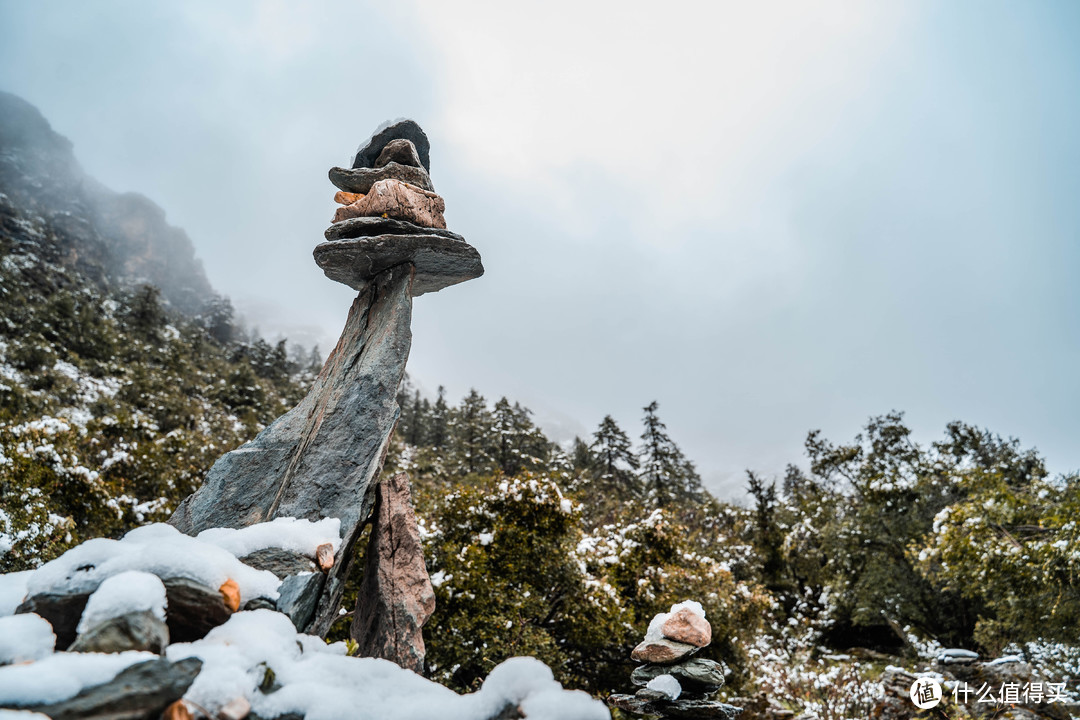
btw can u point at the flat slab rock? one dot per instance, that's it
(140, 692)
(695, 674)
(441, 259)
(662, 651)
(678, 709)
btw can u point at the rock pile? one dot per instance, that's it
(674, 684)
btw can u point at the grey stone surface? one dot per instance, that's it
(405, 129)
(282, 563)
(399, 151)
(131, 631)
(359, 227)
(192, 609)
(440, 261)
(395, 597)
(695, 675)
(683, 709)
(321, 458)
(140, 692)
(360, 180)
(62, 612)
(298, 597)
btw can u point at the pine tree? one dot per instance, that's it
(611, 448)
(667, 474)
(438, 428)
(471, 435)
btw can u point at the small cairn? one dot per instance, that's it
(673, 683)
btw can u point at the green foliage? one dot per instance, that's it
(113, 406)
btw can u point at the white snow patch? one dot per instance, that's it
(123, 593)
(12, 591)
(159, 549)
(666, 684)
(299, 536)
(322, 683)
(25, 638)
(62, 676)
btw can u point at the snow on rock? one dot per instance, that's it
(123, 593)
(320, 682)
(25, 638)
(655, 632)
(158, 549)
(12, 591)
(666, 684)
(62, 676)
(292, 534)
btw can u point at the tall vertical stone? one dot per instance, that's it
(323, 457)
(396, 597)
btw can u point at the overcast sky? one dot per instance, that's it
(769, 217)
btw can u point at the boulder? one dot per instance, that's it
(395, 597)
(192, 609)
(358, 181)
(282, 563)
(403, 129)
(440, 261)
(321, 458)
(298, 597)
(62, 612)
(401, 151)
(400, 200)
(662, 651)
(132, 631)
(686, 626)
(140, 692)
(699, 675)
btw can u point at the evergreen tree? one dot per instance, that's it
(581, 457)
(667, 474)
(439, 426)
(470, 435)
(613, 455)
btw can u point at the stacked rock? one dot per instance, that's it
(673, 683)
(394, 184)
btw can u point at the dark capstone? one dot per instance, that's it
(140, 692)
(374, 226)
(62, 612)
(398, 151)
(439, 261)
(321, 458)
(282, 563)
(401, 130)
(260, 603)
(360, 180)
(696, 674)
(192, 609)
(131, 631)
(298, 597)
(685, 709)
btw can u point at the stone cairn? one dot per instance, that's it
(673, 683)
(323, 458)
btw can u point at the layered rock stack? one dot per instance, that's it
(673, 683)
(322, 459)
